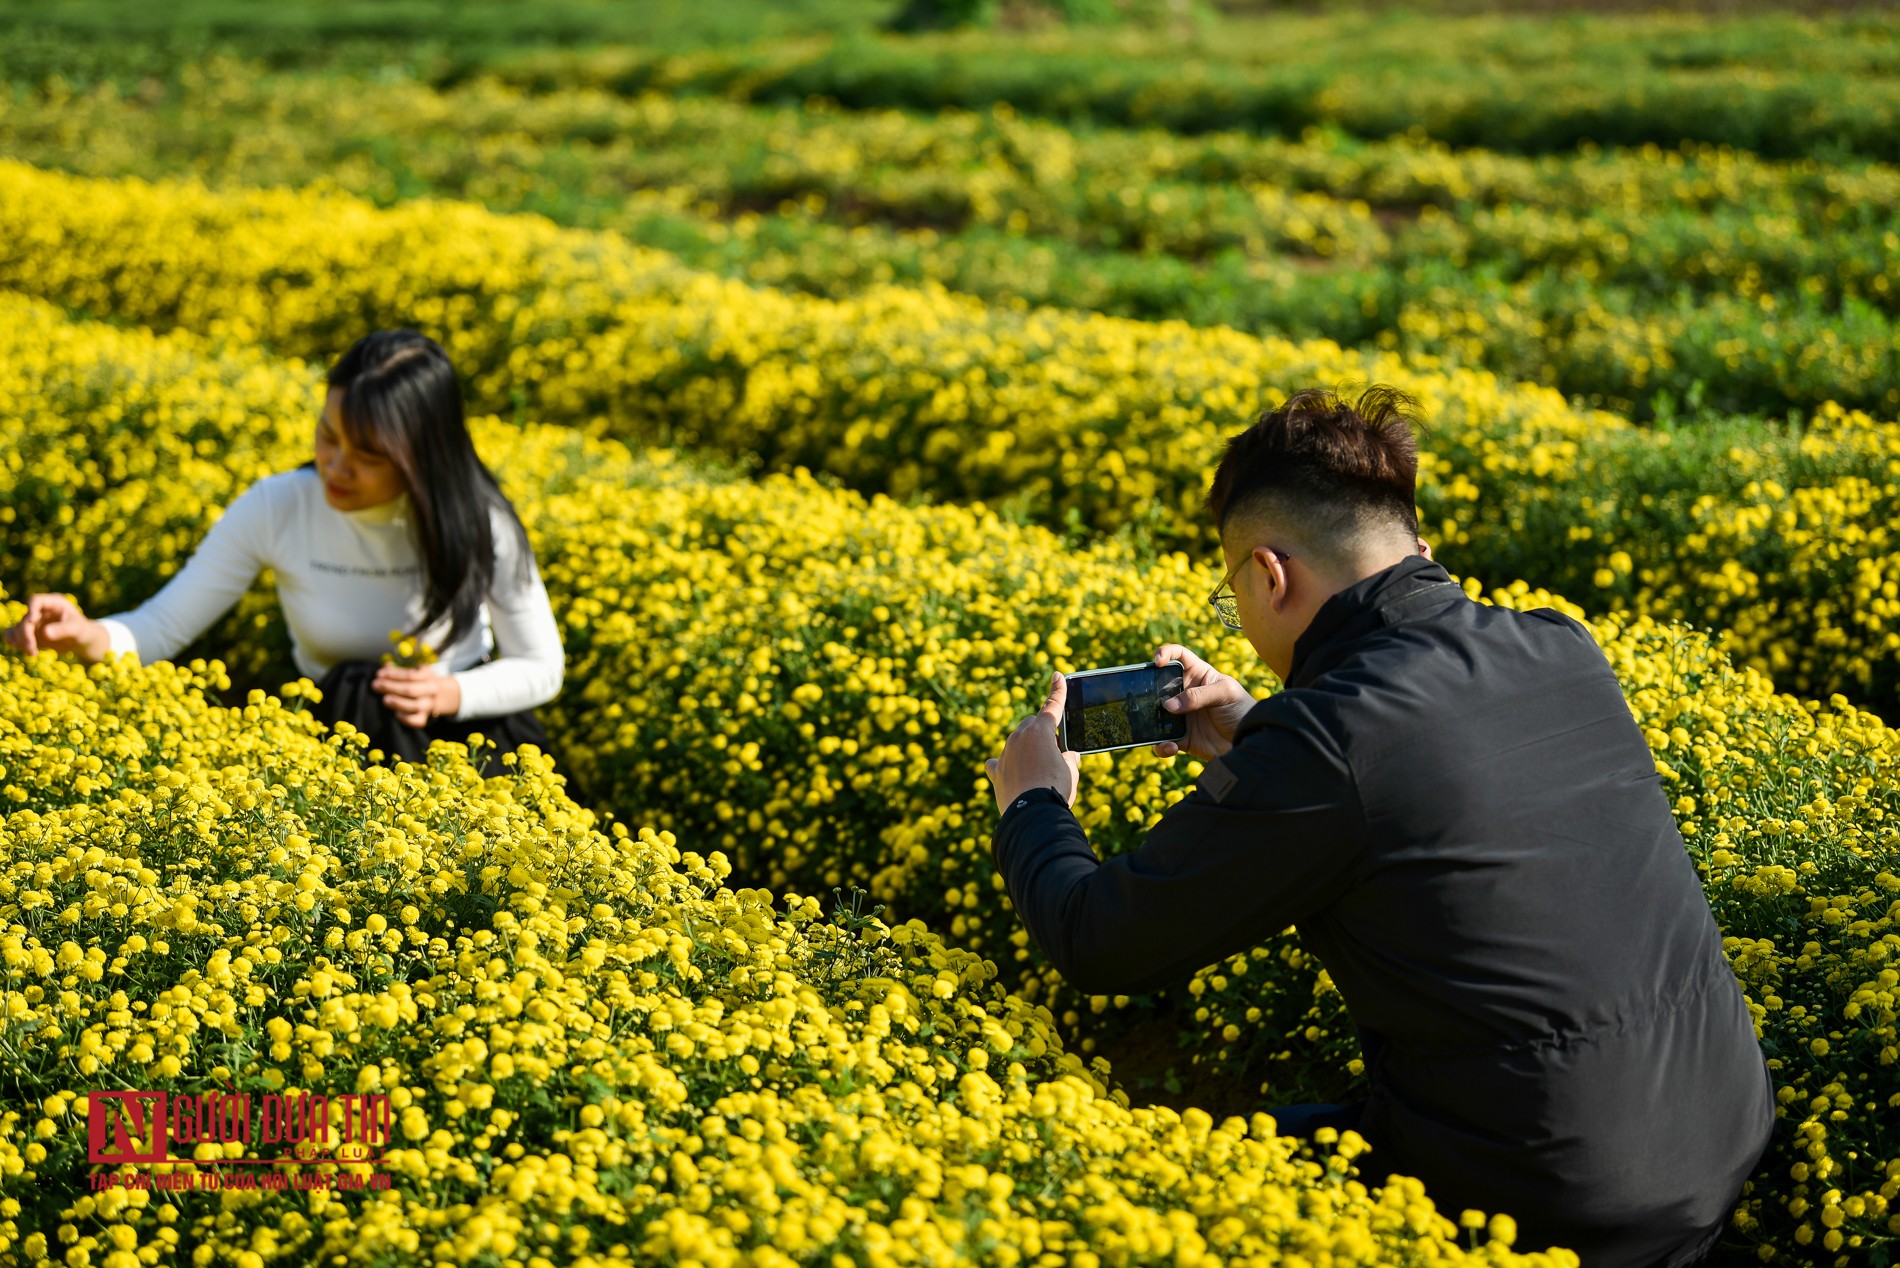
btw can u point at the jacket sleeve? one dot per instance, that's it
(1216, 875)
(529, 661)
(216, 575)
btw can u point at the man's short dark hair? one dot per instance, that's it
(1342, 474)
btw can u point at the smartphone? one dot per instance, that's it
(1120, 707)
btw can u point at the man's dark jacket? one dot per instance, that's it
(1454, 804)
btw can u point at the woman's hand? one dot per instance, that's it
(1214, 703)
(418, 693)
(54, 623)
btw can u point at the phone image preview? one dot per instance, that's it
(1120, 707)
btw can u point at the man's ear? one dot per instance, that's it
(1276, 594)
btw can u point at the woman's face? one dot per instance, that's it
(353, 478)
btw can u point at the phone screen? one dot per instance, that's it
(1121, 708)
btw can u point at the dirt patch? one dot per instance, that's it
(1148, 1058)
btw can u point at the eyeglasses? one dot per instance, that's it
(1227, 606)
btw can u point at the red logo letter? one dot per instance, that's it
(117, 1121)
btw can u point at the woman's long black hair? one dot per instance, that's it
(401, 398)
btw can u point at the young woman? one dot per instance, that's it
(395, 524)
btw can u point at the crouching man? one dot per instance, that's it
(1454, 805)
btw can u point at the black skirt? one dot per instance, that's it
(349, 697)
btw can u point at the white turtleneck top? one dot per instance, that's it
(345, 580)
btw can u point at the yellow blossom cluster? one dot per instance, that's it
(1776, 538)
(594, 1050)
(122, 448)
(887, 390)
(882, 389)
(408, 652)
(1568, 269)
(780, 657)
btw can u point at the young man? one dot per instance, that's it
(1455, 806)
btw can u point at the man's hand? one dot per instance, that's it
(54, 623)
(1214, 704)
(417, 693)
(1031, 758)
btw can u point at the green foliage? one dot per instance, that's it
(937, 15)
(1773, 84)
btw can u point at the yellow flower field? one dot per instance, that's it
(1628, 277)
(834, 670)
(1781, 541)
(849, 381)
(593, 1046)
